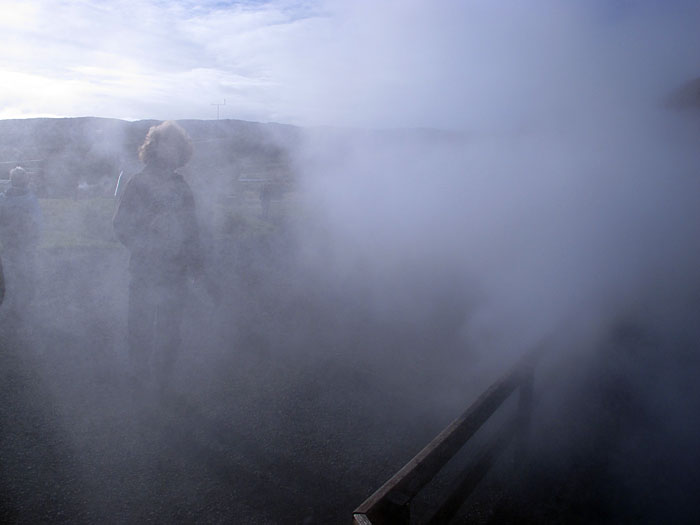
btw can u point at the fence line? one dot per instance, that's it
(390, 504)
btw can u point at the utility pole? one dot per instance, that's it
(217, 108)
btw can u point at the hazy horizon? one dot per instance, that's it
(453, 65)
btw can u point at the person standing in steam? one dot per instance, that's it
(20, 232)
(156, 221)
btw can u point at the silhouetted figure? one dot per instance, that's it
(20, 232)
(270, 191)
(156, 221)
(2, 283)
(265, 199)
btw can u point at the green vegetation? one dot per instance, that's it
(77, 223)
(63, 153)
(87, 223)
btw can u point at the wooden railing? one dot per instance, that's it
(391, 503)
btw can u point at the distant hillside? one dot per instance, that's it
(63, 153)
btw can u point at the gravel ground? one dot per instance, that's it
(289, 406)
(267, 419)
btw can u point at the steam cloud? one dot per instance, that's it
(568, 189)
(501, 174)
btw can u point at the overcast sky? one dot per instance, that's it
(376, 63)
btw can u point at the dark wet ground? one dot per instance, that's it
(289, 408)
(267, 419)
(620, 446)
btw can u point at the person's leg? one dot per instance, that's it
(13, 269)
(30, 276)
(168, 329)
(19, 281)
(141, 320)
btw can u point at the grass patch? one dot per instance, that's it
(75, 223)
(85, 223)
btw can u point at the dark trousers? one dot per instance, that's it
(19, 266)
(155, 315)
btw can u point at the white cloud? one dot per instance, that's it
(384, 63)
(162, 60)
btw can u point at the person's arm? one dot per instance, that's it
(37, 218)
(3, 217)
(2, 283)
(127, 221)
(193, 245)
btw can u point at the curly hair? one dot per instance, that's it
(166, 144)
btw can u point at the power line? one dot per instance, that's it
(218, 106)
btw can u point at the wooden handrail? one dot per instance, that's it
(391, 502)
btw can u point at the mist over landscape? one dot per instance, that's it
(399, 201)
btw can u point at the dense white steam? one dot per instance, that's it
(542, 227)
(568, 194)
(468, 178)
(473, 64)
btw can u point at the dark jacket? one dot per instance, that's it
(156, 221)
(2, 284)
(20, 219)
